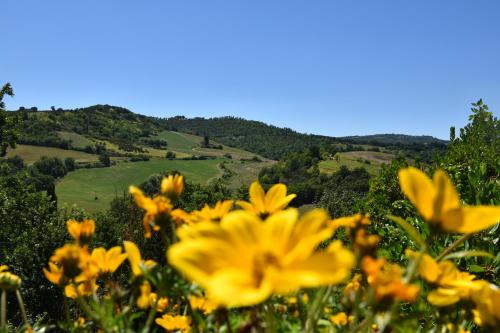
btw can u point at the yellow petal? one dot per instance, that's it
(419, 189)
(471, 218)
(322, 268)
(257, 196)
(142, 201)
(446, 195)
(443, 297)
(276, 198)
(134, 257)
(234, 287)
(278, 230)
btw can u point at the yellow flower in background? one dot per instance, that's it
(70, 258)
(264, 204)
(486, 296)
(438, 203)
(339, 319)
(244, 260)
(202, 303)
(156, 208)
(135, 259)
(353, 286)
(174, 323)
(212, 214)
(108, 261)
(180, 216)
(172, 186)
(82, 232)
(8, 280)
(161, 303)
(85, 288)
(143, 301)
(351, 222)
(452, 284)
(387, 280)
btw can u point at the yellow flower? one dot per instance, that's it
(351, 222)
(174, 323)
(213, 214)
(452, 284)
(172, 186)
(134, 257)
(264, 204)
(108, 261)
(351, 287)
(387, 280)
(202, 303)
(438, 203)
(79, 322)
(70, 260)
(179, 216)
(339, 319)
(366, 243)
(8, 280)
(487, 299)
(85, 288)
(82, 232)
(161, 304)
(143, 301)
(157, 209)
(243, 260)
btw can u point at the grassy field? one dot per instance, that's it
(76, 139)
(184, 143)
(83, 186)
(31, 154)
(371, 161)
(245, 172)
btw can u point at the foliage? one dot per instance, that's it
(9, 131)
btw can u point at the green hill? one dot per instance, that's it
(93, 189)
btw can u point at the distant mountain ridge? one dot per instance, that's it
(124, 127)
(393, 138)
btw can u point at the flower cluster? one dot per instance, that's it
(256, 263)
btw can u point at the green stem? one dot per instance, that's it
(225, 315)
(193, 316)
(321, 296)
(66, 310)
(453, 246)
(3, 309)
(151, 317)
(21, 307)
(85, 307)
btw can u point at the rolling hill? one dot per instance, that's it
(137, 146)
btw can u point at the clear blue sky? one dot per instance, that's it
(327, 67)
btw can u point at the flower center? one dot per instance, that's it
(261, 262)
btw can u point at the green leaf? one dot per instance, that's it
(464, 254)
(476, 269)
(410, 230)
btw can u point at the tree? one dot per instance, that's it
(53, 108)
(170, 155)
(70, 164)
(206, 141)
(51, 166)
(9, 133)
(105, 160)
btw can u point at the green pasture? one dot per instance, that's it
(93, 189)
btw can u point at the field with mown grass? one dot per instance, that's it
(31, 154)
(185, 143)
(94, 189)
(370, 160)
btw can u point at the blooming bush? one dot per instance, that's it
(259, 266)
